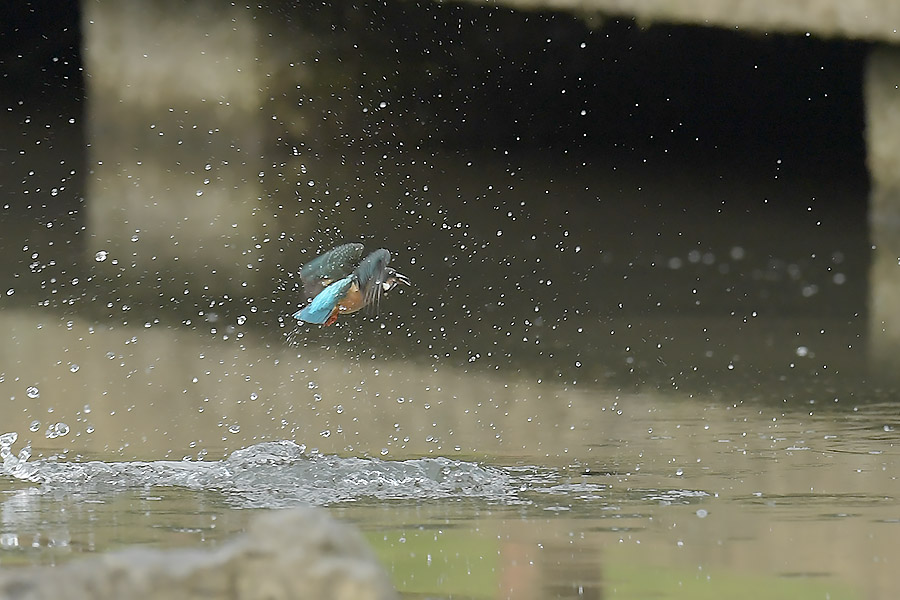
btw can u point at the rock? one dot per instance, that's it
(297, 554)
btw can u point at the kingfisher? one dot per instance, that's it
(340, 283)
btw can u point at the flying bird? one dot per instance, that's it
(342, 282)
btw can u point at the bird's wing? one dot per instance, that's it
(326, 268)
(371, 273)
(323, 304)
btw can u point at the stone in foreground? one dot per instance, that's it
(299, 554)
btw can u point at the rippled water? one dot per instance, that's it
(659, 496)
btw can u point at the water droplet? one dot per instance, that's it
(312, 385)
(384, 451)
(702, 513)
(241, 320)
(235, 428)
(32, 391)
(802, 351)
(254, 396)
(679, 472)
(74, 368)
(56, 430)
(326, 433)
(10, 292)
(339, 409)
(101, 255)
(35, 425)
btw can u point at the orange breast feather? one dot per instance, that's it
(353, 301)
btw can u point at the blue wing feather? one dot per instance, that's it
(321, 306)
(373, 267)
(327, 268)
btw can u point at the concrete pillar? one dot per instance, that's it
(175, 126)
(882, 95)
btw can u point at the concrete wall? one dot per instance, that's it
(178, 133)
(877, 20)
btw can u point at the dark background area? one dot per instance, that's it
(760, 135)
(473, 76)
(466, 77)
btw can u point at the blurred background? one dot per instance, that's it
(576, 193)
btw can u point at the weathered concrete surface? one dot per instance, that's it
(882, 96)
(179, 117)
(293, 554)
(858, 19)
(882, 93)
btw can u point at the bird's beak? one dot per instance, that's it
(395, 278)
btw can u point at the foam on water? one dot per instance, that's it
(273, 474)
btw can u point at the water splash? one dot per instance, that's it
(15, 465)
(274, 475)
(295, 337)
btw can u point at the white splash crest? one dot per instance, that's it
(274, 474)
